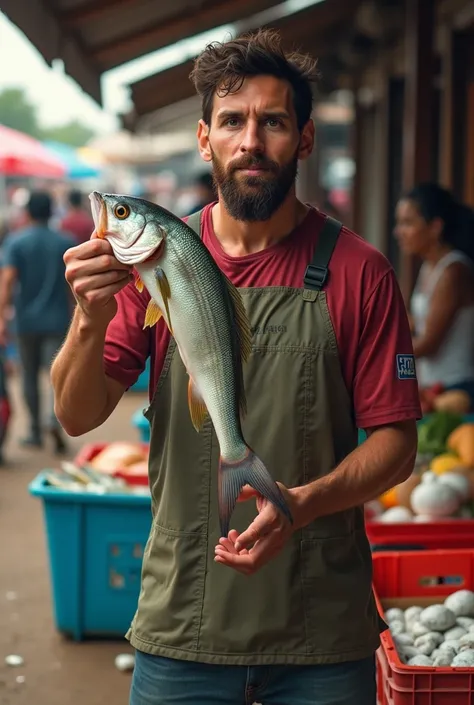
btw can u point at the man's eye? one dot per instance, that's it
(232, 122)
(273, 122)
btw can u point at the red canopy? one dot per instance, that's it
(22, 155)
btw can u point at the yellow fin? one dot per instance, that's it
(164, 287)
(197, 408)
(138, 282)
(153, 314)
(242, 321)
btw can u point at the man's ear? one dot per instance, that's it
(203, 141)
(306, 140)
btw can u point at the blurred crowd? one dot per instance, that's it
(36, 303)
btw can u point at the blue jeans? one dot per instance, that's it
(163, 681)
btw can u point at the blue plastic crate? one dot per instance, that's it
(142, 424)
(95, 545)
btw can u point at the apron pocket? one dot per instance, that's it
(336, 575)
(173, 577)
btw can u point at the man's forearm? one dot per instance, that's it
(385, 459)
(78, 377)
(6, 288)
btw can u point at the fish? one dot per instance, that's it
(206, 316)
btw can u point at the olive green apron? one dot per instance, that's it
(313, 603)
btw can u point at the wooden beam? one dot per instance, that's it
(445, 166)
(316, 18)
(357, 155)
(161, 89)
(417, 136)
(180, 26)
(469, 127)
(90, 11)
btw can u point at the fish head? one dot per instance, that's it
(129, 224)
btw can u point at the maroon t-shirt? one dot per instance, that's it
(79, 224)
(365, 305)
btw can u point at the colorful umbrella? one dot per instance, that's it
(76, 167)
(22, 155)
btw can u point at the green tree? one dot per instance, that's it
(18, 113)
(73, 133)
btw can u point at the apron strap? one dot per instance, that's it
(317, 270)
(194, 222)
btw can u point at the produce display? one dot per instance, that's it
(441, 486)
(440, 635)
(435, 399)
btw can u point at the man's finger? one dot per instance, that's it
(247, 492)
(243, 563)
(227, 544)
(260, 527)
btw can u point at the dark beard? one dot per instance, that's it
(257, 197)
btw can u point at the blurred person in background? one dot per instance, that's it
(32, 279)
(432, 225)
(78, 220)
(6, 368)
(203, 191)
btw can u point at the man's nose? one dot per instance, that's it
(252, 138)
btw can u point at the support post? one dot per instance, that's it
(418, 106)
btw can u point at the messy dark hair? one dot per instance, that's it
(434, 201)
(222, 68)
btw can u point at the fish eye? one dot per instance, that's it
(121, 211)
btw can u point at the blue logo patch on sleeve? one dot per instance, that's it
(406, 367)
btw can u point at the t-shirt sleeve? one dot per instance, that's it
(127, 344)
(385, 388)
(10, 256)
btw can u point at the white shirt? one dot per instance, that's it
(454, 361)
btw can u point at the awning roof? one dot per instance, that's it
(313, 29)
(93, 36)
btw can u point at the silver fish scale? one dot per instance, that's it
(205, 334)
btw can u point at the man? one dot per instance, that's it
(203, 191)
(33, 279)
(328, 356)
(77, 220)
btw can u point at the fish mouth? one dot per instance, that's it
(99, 214)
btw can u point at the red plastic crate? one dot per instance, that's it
(90, 450)
(449, 533)
(420, 578)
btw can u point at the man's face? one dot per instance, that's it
(254, 145)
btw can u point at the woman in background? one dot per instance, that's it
(431, 225)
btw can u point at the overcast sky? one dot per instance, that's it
(23, 66)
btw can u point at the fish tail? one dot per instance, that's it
(248, 471)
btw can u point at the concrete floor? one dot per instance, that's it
(55, 671)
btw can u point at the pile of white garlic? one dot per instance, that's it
(439, 635)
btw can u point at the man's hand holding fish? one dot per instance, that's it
(265, 537)
(273, 333)
(95, 276)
